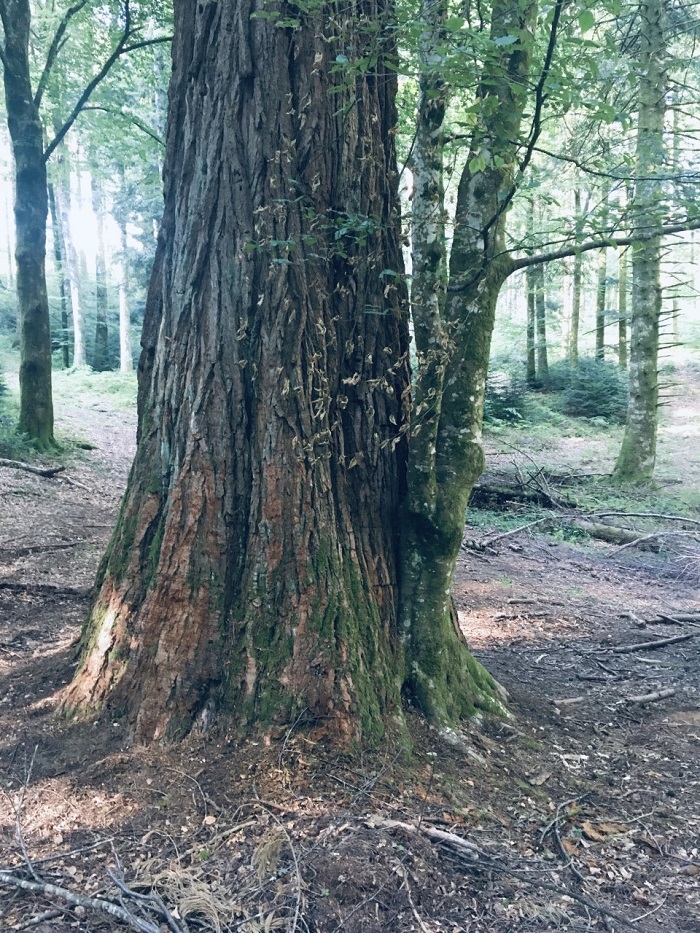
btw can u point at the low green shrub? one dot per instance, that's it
(593, 389)
(506, 398)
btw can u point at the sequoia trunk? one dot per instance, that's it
(254, 565)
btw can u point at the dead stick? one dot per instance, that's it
(79, 900)
(652, 537)
(651, 645)
(652, 697)
(515, 531)
(667, 518)
(47, 472)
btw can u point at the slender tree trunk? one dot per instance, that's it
(59, 259)
(541, 322)
(254, 567)
(638, 454)
(601, 290)
(622, 309)
(576, 295)
(31, 213)
(100, 360)
(531, 370)
(62, 191)
(126, 356)
(443, 678)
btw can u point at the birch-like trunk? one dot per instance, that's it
(59, 255)
(638, 453)
(622, 309)
(62, 190)
(541, 323)
(100, 358)
(601, 293)
(126, 354)
(572, 350)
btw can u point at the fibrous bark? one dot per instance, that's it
(254, 565)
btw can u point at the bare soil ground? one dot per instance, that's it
(584, 808)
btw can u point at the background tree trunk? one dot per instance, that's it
(541, 321)
(62, 191)
(254, 565)
(100, 360)
(622, 309)
(601, 290)
(531, 366)
(31, 213)
(638, 453)
(576, 297)
(60, 260)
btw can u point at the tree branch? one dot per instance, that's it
(603, 243)
(143, 126)
(55, 48)
(120, 49)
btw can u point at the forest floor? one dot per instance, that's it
(582, 812)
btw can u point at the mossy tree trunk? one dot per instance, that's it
(254, 567)
(31, 214)
(638, 453)
(443, 677)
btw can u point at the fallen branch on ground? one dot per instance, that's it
(643, 539)
(81, 900)
(44, 589)
(651, 645)
(46, 472)
(653, 697)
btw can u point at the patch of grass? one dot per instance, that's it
(117, 390)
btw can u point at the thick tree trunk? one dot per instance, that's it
(59, 254)
(31, 213)
(100, 358)
(638, 453)
(601, 290)
(541, 321)
(254, 567)
(622, 309)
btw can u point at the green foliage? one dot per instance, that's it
(506, 398)
(593, 389)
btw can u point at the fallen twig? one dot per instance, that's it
(80, 900)
(651, 645)
(653, 697)
(46, 472)
(515, 531)
(666, 518)
(655, 536)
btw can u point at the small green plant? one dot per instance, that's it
(593, 389)
(506, 398)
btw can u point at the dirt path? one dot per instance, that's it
(587, 813)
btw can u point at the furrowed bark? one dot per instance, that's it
(638, 453)
(254, 568)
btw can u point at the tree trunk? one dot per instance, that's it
(59, 254)
(126, 355)
(443, 677)
(638, 453)
(576, 297)
(541, 321)
(254, 567)
(31, 213)
(62, 190)
(531, 367)
(100, 359)
(622, 309)
(600, 304)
